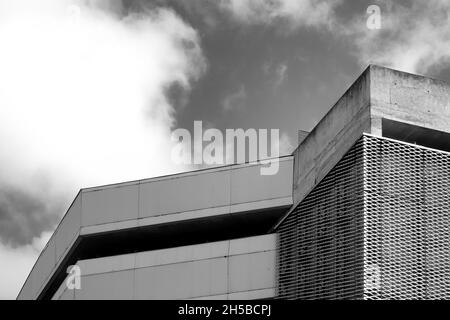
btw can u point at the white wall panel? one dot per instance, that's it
(27, 292)
(68, 228)
(110, 205)
(67, 295)
(253, 244)
(182, 254)
(45, 265)
(197, 271)
(187, 193)
(107, 264)
(248, 185)
(182, 280)
(107, 286)
(252, 271)
(253, 295)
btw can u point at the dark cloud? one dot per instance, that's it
(24, 216)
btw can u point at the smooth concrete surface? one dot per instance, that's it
(110, 205)
(234, 269)
(251, 271)
(332, 137)
(379, 93)
(117, 285)
(410, 98)
(57, 246)
(64, 294)
(245, 295)
(45, 266)
(69, 228)
(206, 190)
(182, 280)
(191, 195)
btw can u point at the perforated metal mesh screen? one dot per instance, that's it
(321, 242)
(407, 221)
(376, 227)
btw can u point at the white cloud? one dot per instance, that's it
(235, 101)
(413, 37)
(276, 72)
(83, 98)
(290, 13)
(280, 74)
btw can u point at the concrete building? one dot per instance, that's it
(360, 210)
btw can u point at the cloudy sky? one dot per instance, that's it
(90, 91)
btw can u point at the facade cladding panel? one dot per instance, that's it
(407, 221)
(376, 227)
(321, 242)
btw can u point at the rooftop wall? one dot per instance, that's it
(378, 93)
(332, 137)
(409, 98)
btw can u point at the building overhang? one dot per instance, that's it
(193, 207)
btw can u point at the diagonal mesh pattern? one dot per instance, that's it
(321, 242)
(407, 221)
(376, 227)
